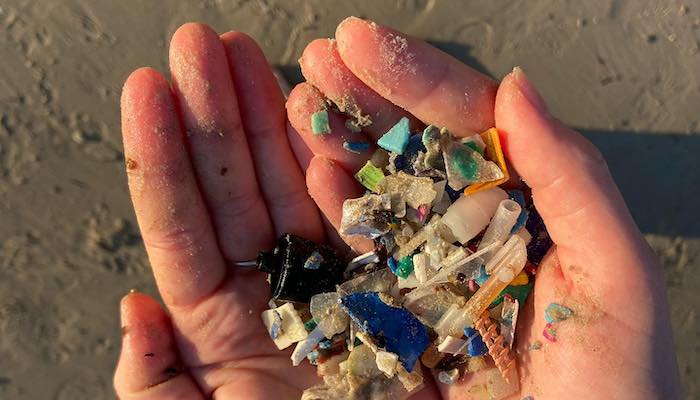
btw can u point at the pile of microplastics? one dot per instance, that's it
(454, 260)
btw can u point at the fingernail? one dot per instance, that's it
(529, 91)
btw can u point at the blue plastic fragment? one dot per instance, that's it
(454, 194)
(325, 344)
(393, 265)
(396, 138)
(518, 197)
(314, 261)
(356, 147)
(394, 328)
(475, 343)
(482, 276)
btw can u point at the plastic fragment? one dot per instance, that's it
(369, 216)
(285, 325)
(413, 190)
(501, 224)
(329, 316)
(370, 176)
(421, 267)
(399, 329)
(541, 242)
(387, 362)
(431, 140)
(379, 281)
(404, 267)
(314, 261)
(289, 280)
(469, 215)
(550, 332)
(557, 313)
(449, 377)
(305, 346)
(319, 123)
(476, 143)
(492, 152)
(509, 319)
(536, 345)
(494, 343)
(410, 282)
(396, 138)
(475, 343)
(453, 345)
(465, 166)
(519, 197)
(521, 279)
(356, 147)
(310, 325)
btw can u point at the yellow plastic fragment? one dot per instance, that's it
(521, 279)
(493, 152)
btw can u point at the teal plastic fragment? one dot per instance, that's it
(319, 123)
(475, 147)
(557, 312)
(310, 325)
(396, 139)
(463, 162)
(404, 267)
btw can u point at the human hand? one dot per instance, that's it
(619, 343)
(191, 209)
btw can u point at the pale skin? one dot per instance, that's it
(218, 169)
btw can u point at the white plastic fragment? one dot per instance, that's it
(409, 282)
(469, 215)
(524, 235)
(449, 377)
(307, 345)
(421, 267)
(330, 317)
(285, 324)
(411, 189)
(453, 345)
(363, 216)
(361, 260)
(501, 224)
(387, 362)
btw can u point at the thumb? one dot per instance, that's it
(148, 366)
(571, 186)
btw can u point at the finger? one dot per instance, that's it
(172, 216)
(572, 188)
(218, 145)
(303, 102)
(322, 67)
(148, 366)
(301, 151)
(264, 120)
(417, 77)
(330, 185)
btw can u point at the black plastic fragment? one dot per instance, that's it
(541, 242)
(289, 280)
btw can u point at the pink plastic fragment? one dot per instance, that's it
(550, 333)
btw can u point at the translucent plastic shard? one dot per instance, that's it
(305, 346)
(465, 166)
(501, 225)
(369, 216)
(469, 215)
(330, 317)
(492, 152)
(379, 281)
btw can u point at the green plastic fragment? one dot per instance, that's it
(404, 267)
(319, 123)
(519, 293)
(465, 164)
(310, 325)
(396, 138)
(474, 146)
(370, 176)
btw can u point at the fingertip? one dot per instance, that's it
(192, 31)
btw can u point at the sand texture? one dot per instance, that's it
(626, 73)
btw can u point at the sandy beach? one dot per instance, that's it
(625, 73)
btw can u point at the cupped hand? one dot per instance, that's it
(216, 173)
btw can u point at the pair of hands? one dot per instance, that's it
(217, 170)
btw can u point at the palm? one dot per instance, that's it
(214, 179)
